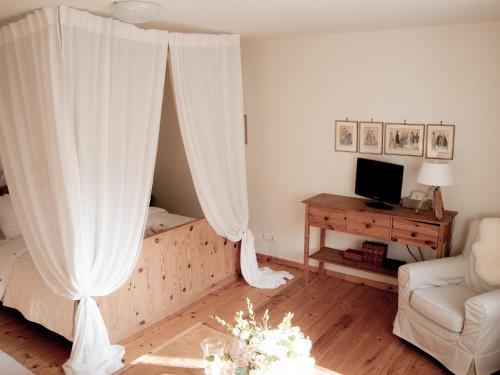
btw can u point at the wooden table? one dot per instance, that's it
(182, 355)
(352, 215)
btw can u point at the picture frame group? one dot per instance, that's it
(369, 137)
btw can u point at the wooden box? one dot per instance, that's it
(413, 203)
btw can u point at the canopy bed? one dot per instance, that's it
(80, 103)
(182, 260)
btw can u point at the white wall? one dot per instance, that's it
(295, 89)
(173, 186)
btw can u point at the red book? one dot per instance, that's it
(354, 255)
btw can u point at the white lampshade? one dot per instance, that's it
(435, 173)
(133, 11)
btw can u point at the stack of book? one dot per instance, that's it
(374, 252)
(354, 255)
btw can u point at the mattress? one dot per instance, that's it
(22, 287)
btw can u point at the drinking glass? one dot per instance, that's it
(213, 351)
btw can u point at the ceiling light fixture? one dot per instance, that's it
(133, 11)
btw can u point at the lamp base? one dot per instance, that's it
(438, 201)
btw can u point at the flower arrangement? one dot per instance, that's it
(260, 350)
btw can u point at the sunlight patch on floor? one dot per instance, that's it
(170, 361)
(324, 371)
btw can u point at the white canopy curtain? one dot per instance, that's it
(206, 75)
(80, 104)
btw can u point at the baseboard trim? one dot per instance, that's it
(339, 275)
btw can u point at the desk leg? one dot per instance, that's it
(447, 245)
(442, 242)
(306, 246)
(322, 245)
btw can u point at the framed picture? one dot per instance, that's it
(440, 141)
(346, 136)
(371, 137)
(404, 139)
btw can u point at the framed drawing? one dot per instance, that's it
(440, 141)
(371, 137)
(346, 136)
(404, 139)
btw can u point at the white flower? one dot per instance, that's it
(264, 351)
(244, 335)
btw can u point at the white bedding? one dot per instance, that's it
(22, 287)
(10, 250)
(159, 220)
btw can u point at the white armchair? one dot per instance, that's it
(447, 311)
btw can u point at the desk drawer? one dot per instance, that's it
(328, 218)
(369, 224)
(415, 233)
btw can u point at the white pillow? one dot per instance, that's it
(8, 221)
(155, 210)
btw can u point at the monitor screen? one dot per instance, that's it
(379, 180)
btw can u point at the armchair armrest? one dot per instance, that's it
(436, 272)
(486, 306)
(481, 333)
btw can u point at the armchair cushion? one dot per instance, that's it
(445, 305)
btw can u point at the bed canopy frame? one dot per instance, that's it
(80, 103)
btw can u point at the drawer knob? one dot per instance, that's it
(394, 239)
(429, 242)
(368, 225)
(413, 234)
(326, 218)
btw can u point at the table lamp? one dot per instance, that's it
(434, 174)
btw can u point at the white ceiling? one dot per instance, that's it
(285, 18)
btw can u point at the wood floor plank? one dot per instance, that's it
(371, 343)
(335, 324)
(350, 326)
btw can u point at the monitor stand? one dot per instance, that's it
(379, 205)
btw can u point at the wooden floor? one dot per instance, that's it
(350, 326)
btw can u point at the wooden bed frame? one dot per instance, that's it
(176, 267)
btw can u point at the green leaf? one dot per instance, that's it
(242, 371)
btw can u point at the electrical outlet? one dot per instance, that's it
(269, 237)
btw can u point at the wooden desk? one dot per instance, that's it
(352, 215)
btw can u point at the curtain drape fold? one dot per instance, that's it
(80, 105)
(206, 75)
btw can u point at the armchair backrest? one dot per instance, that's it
(471, 279)
(472, 236)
